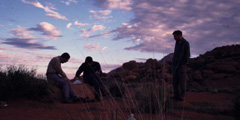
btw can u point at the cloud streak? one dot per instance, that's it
(80, 24)
(24, 39)
(115, 4)
(91, 47)
(48, 9)
(94, 28)
(48, 30)
(100, 15)
(68, 2)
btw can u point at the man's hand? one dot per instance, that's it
(75, 78)
(67, 79)
(98, 73)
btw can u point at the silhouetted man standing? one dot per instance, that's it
(91, 75)
(57, 77)
(180, 59)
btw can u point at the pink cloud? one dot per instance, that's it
(24, 39)
(115, 4)
(47, 29)
(98, 28)
(21, 32)
(102, 14)
(205, 24)
(86, 33)
(69, 25)
(68, 2)
(104, 48)
(92, 46)
(80, 24)
(48, 9)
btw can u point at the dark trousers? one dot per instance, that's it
(95, 81)
(179, 81)
(63, 84)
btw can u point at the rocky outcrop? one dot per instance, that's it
(215, 67)
(133, 71)
(166, 59)
(219, 68)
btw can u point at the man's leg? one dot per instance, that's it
(101, 86)
(175, 77)
(96, 88)
(61, 83)
(91, 80)
(182, 81)
(71, 92)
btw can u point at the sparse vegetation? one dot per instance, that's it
(210, 108)
(21, 82)
(153, 98)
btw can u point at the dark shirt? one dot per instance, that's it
(89, 69)
(181, 53)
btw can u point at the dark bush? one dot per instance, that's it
(3, 86)
(20, 82)
(117, 89)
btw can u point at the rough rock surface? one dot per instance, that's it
(219, 68)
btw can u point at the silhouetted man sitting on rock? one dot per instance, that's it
(91, 75)
(57, 77)
(180, 59)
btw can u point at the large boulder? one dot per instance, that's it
(81, 90)
(167, 77)
(224, 68)
(197, 75)
(153, 64)
(218, 76)
(207, 73)
(56, 94)
(167, 59)
(130, 65)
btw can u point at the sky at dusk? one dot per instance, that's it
(111, 31)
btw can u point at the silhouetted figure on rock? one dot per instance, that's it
(91, 75)
(57, 77)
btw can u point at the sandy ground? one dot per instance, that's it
(197, 106)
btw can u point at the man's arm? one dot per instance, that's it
(186, 52)
(79, 71)
(99, 68)
(58, 68)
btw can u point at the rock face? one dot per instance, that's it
(130, 65)
(166, 59)
(218, 68)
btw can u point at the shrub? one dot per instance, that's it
(117, 89)
(20, 82)
(3, 86)
(153, 98)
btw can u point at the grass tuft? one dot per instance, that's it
(153, 98)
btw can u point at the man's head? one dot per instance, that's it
(88, 60)
(177, 35)
(64, 57)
